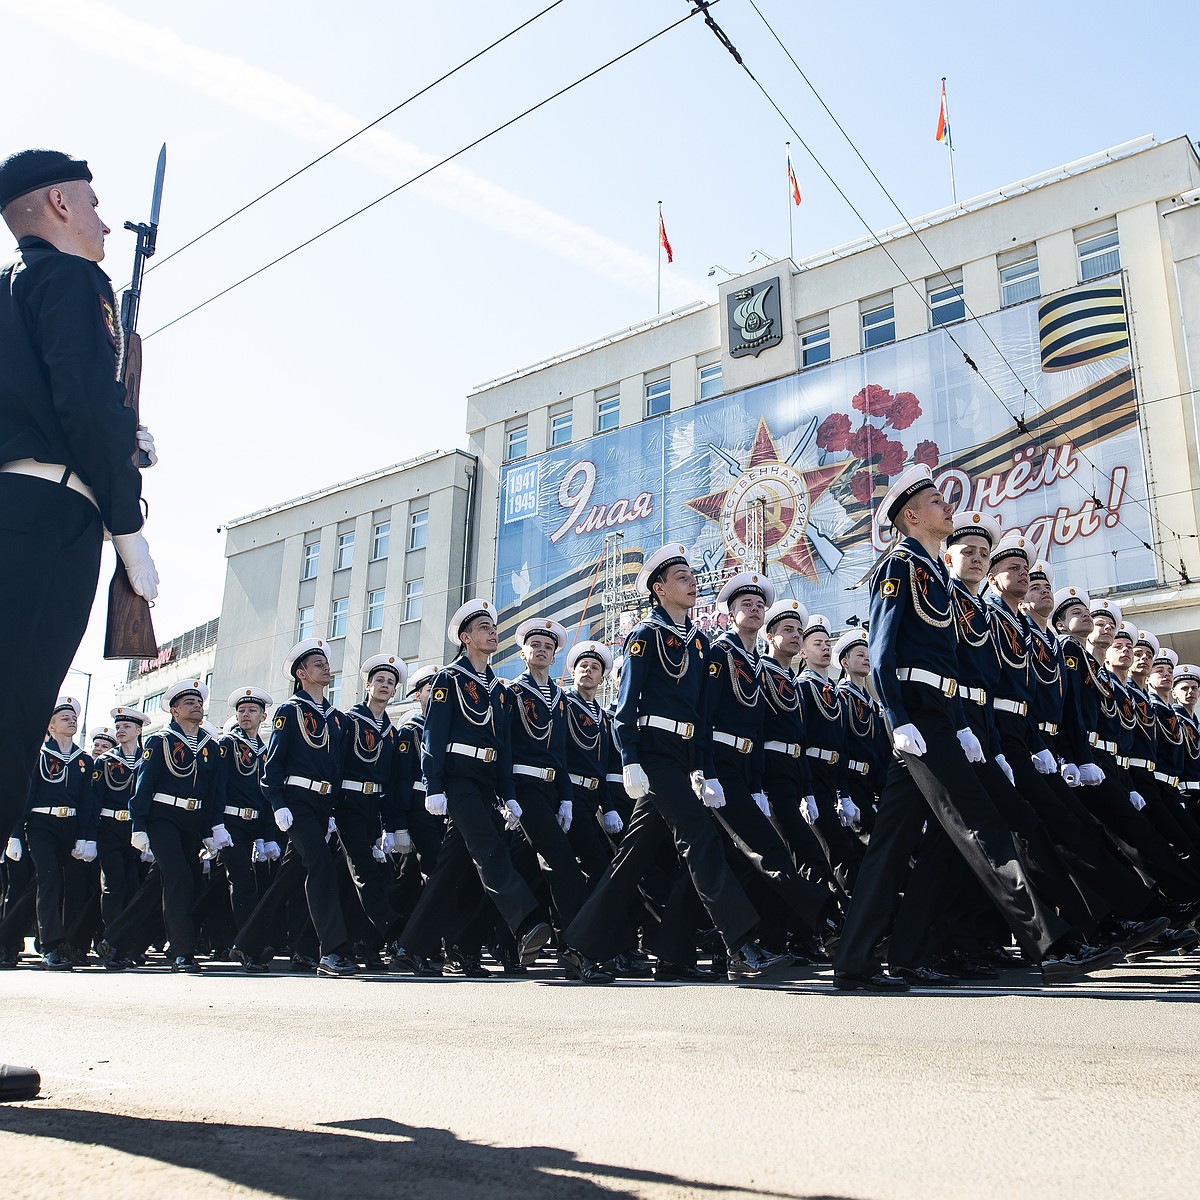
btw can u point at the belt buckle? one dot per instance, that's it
(325, 788)
(62, 811)
(489, 754)
(192, 805)
(122, 814)
(685, 728)
(833, 757)
(549, 774)
(795, 749)
(368, 788)
(593, 784)
(745, 745)
(949, 687)
(248, 814)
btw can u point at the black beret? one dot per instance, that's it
(28, 170)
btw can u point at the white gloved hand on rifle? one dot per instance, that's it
(139, 566)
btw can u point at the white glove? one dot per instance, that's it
(1070, 774)
(259, 853)
(636, 781)
(377, 850)
(14, 849)
(402, 841)
(713, 795)
(147, 856)
(207, 853)
(139, 566)
(77, 849)
(140, 841)
(565, 810)
(435, 805)
(1136, 800)
(764, 805)
(611, 822)
(145, 443)
(697, 778)
(510, 810)
(330, 829)
(272, 850)
(970, 744)
(1002, 763)
(1043, 760)
(387, 843)
(1090, 775)
(808, 809)
(220, 838)
(89, 852)
(283, 819)
(847, 811)
(908, 740)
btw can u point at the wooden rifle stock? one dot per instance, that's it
(130, 632)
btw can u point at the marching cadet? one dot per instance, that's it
(173, 812)
(240, 800)
(406, 790)
(915, 664)
(1186, 690)
(60, 826)
(467, 763)
(869, 747)
(661, 738)
(1169, 753)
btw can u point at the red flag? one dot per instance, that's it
(792, 180)
(662, 237)
(943, 125)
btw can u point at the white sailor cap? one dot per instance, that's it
(299, 652)
(65, 702)
(420, 677)
(103, 731)
(184, 687)
(467, 613)
(597, 650)
(1166, 657)
(385, 662)
(973, 523)
(746, 583)
(122, 713)
(847, 642)
(253, 695)
(209, 728)
(1043, 571)
(230, 723)
(1012, 545)
(908, 484)
(1127, 631)
(1067, 596)
(782, 610)
(1187, 673)
(543, 625)
(1106, 608)
(1147, 639)
(817, 623)
(658, 562)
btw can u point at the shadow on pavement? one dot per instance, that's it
(362, 1158)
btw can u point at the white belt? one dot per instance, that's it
(1094, 739)
(861, 767)
(487, 753)
(188, 802)
(1163, 777)
(55, 812)
(587, 782)
(247, 814)
(1146, 764)
(930, 678)
(791, 749)
(740, 744)
(615, 779)
(54, 472)
(546, 774)
(322, 786)
(1191, 785)
(118, 814)
(367, 787)
(1048, 727)
(683, 729)
(419, 785)
(829, 756)
(1017, 707)
(976, 694)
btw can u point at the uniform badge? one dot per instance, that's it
(439, 694)
(110, 319)
(146, 754)
(1072, 663)
(95, 774)
(888, 588)
(279, 722)
(637, 649)
(714, 669)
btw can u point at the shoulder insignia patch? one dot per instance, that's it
(714, 669)
(1072, 662)
(888, 588)
(146, 753)
(95, 774)
(439, 694)
(637, 648)
(110, 319)
(279, 722)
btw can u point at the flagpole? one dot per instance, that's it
(949, 143)
(790, 202)
(658, 301)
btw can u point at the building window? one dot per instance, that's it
(608, 411)
(710, 381)
(414, 596)
(374, 611)
(658, 397)
(345, 551)
(518, 443)
(1019, 281)
(304, 624)
(150, 704)
(380, 536)
(337, 618)
(945, 304)
(1099, 256)
(879, 326)
(418, 530)
(814, 347)
(334, 691)
(560, 428)
(312, 559)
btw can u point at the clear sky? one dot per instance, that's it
(359, 350)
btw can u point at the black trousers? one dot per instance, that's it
(60, 890)
(539, 827)
(1165, 813)
(358, 829)
(175, 843)
(588, 839)
(941, 783)
(50, 539)
(785, 789)
(239, 869)
(119, 875)
(671, 808)
(843, 851)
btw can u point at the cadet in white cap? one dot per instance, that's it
(868, 745)
(102, 737)
(1186, 691)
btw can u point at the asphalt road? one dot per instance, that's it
(229, 1085)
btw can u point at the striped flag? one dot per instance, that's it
(1082, 326)
(795, 183)
(943, 125)
(662, 237)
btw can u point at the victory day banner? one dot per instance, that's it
(797, 466)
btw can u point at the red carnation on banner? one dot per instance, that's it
(863, 486)
(834, 432)
(892, 456)
(905, 409)
(874, 401)
(864, 442)
(927, 453)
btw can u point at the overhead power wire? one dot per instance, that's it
(702, 6)
(428, 171)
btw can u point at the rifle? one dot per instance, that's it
(130, 633)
